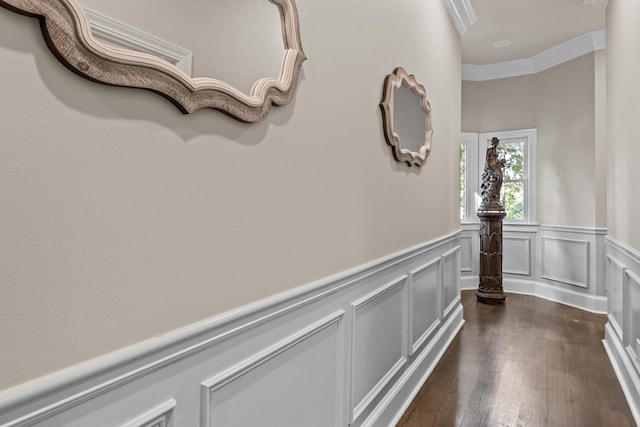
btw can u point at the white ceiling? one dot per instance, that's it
(532, 26)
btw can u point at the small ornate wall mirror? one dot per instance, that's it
(73, 32)
(406, 115)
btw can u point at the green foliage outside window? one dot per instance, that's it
(513, 182)
(513, 185)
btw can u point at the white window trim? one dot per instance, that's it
(473, 142)
(470, 141)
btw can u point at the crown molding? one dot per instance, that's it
(462, 14)
(564, 52)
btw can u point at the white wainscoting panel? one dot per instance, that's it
(622, 332)
(469, 241)
(451, 280)
(466, 254)
(633, 310)
(425, 308)
(564, 264)
(566, 261)
(516, 258)
(335, 352)
(615, 286)
(379, 348)
(227, 397)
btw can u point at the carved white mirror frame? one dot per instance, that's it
(391, 83)
(67, 32)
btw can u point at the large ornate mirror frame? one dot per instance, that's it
(391, 83)
(67, 32)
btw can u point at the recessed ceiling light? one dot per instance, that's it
(502, 43)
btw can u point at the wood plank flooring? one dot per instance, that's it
(530, 362)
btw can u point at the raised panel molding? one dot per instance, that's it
(382, 352)
(157, 417)
(518, 263)
(615, 291)
(567, 263)
(425, 296)
(631, 297)
(466, 254)
(309, 334)
(216, 384)
(450, 280)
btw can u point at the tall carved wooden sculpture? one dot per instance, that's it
(491, 212)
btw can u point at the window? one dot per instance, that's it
(463, 181)
(468, 170)
(517, 148)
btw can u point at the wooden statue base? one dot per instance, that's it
(490, 290)
(490, 287)
(491, 297)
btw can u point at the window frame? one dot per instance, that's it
(475, 144)
(470, 141)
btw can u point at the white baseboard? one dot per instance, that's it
(469, 283)
(348, 349)
(587, 302)
(583, 301)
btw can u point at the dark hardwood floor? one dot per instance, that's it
(530, 362)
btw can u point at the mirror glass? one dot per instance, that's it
(238, 42)
(409, 118)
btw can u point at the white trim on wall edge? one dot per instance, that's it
(629, 251)
(625, 372)
(564, 52)
(222, 327)
(590, 303)
(360, 407)
(598, 231)
(543, 261)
